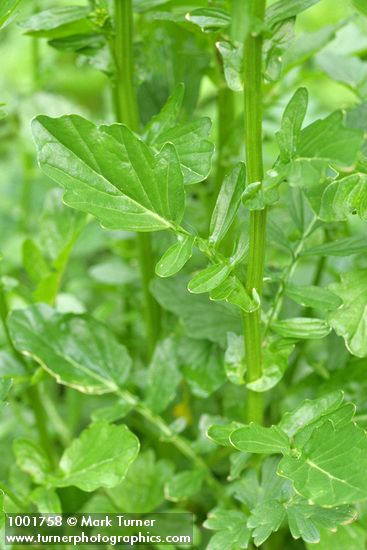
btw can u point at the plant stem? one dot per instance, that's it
(126, 111)
(179, 442)
(255, 172)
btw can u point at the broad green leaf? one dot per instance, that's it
(59, 22)
(184, 485)
(46, 500)
(202, 366)
(285, 9)
(209, 19)
(232, 532)
(209, 278)
(348, 70)
(343, 197)
(228, 202)
(76, 349)
(143, 487)
(330, 468)
(167, 116)
(32, 459)
(200, 318)
(307, 44)
(174, 259)
(232, 56)
(275, 502)
(329, 139)
(100, 457)
(257, 439)
(140, 192)
(291, 125)
(310, 411)
(234, 358)
(194, 151)
(350, 320)
(162, 367)
(7, 8)
(343, 247)
(275, 363)
(301, 328)
(313, 296)
(220, 433)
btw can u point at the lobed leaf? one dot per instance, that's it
(110, 173)
(257, 439)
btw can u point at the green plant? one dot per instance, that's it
(245, 335)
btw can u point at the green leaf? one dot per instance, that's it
(257, 439)
(230, 525)
(228, 202)
(361, 6)
(194, 151)
(349, 321)
(32, 460)
(301, 328)
(313, 296)
(174, 259)
(162, 367)
(293, 117)
(209, 19)
(352, 537)
(343, 247)
(285, 9)
(307, 44)
(141, 192)
(231, 290)
(184, 485)
(46, 500)
(330, 469)
(220, 433)
(202, 366)
(33, 261)
(329, 139)
(275, 363)
(167, 116)
(142, 488)
(77, 350)
(343, 197)
(232, 56)
(200, 318)
(350, 71)
(308, 412)
(59, 22)
(100, 457)
(273, 501)
(7, 8)
(113, 412)
(209, 278)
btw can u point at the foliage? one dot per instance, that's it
(183, 294)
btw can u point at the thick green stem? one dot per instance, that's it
(254, 159)
(126, 111)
